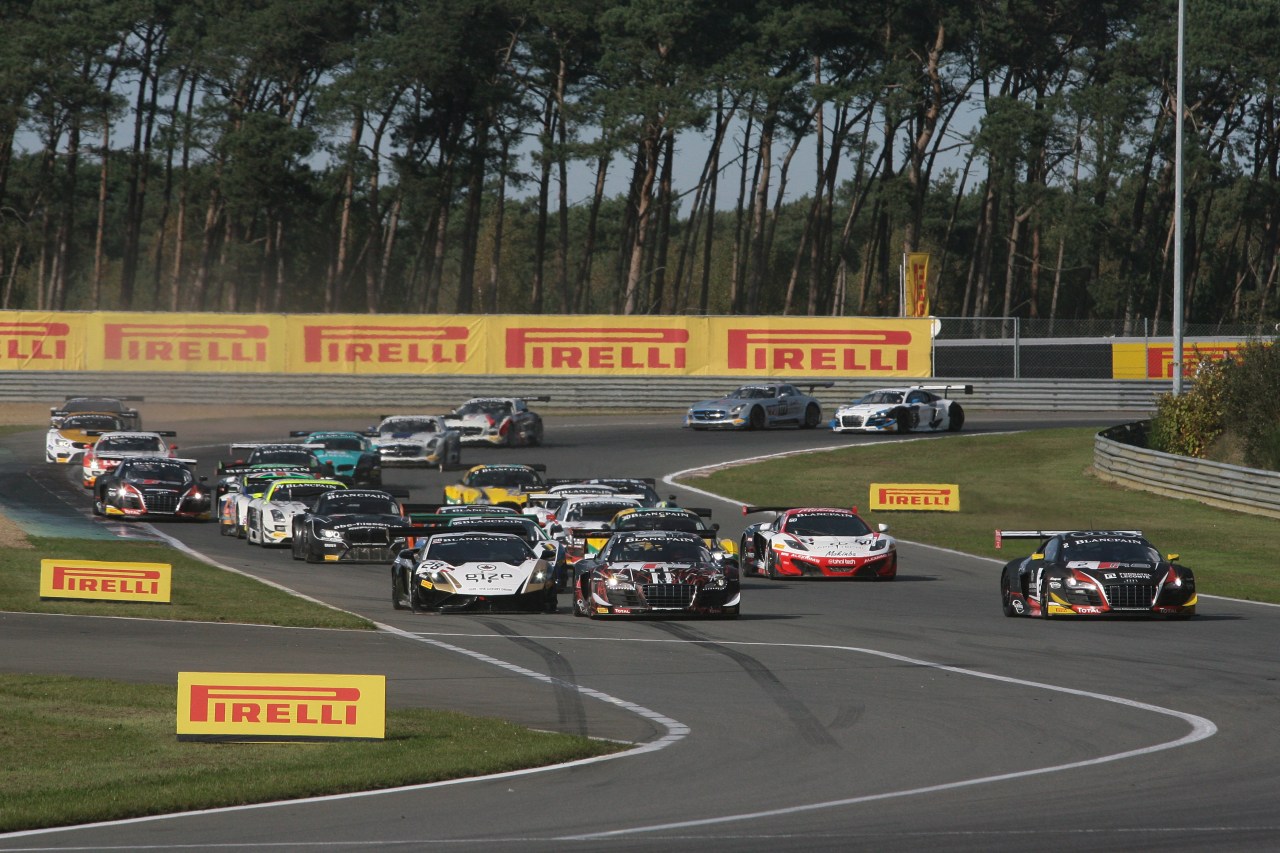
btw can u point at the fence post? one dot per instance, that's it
(1017, 352)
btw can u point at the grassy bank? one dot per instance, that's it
(1033, 480)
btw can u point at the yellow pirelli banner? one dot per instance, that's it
(512, 344)
(920, 497)
(98, 581)
(1154, 360)
(915, 288)
(256, 706)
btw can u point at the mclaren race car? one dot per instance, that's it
(269, 516)
(130, 417)
(1094, 572)
(816, 542)
(500, 421)
(903, 410)
(471, 570)
(500, 485)
(350, 456)
(111, 447)
(144, 488)
(351, 526)
(75, 434)
(653, 572)
(758, 406)
(417, 441)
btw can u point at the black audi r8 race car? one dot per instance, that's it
(656, 572)
(475, 570)
(152, 487)
(351, 526)
(1094, 572)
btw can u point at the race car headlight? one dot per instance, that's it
(716, 581)
(879, 544)
(331, 535)
(277, 516)
(737, 410)
(1079, 581)
(615, 582)
(62, 442)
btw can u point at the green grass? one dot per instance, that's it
(200, 592)
(98, 750)
(1033, 480)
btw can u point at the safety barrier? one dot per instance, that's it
(1120, 457)
(437, 393)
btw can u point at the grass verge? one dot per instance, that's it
(199, 592)
(98, 750)
(1034, 480)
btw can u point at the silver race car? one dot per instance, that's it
(758, 406)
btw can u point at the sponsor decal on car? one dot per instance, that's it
(920, 497)
(99, 581)
(237, 706)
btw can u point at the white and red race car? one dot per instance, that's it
(817, 542)
(111, 447)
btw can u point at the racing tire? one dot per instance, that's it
(902, 421)
(579, 600)
(1044, 600)
(241, 530)
(755, 418)
(226, 529)
(414, 604)
(812, 417)
(396, 602)
(955, 418)
(535, 436)
(98, 507)
(1006, 596)
(770, 565)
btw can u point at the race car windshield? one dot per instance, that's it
(504, 478)
(660, 551)
(281, 457)
(150, 473)
(488, 407)
(458, 551)
(813, 524)
(367, 505)
(131, 442)
(753, 392)
(95, 404)
(596, 511)
(344, 443)
(409, 426)
(91, 422)
(880, 397)
(300, 492)
(1113, 551)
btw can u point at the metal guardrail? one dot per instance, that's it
(438, 393)
(1117, 459)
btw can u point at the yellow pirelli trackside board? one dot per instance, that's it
(258, 706)
(920, 497)
(92, 580)
(1154, 360)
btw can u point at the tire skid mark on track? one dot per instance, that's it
(569, 703)
(808, 726)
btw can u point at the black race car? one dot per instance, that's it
(270, 456)
(128, 416)
(652, 572)
(351, 526)
(1092, 572)
(152, 487)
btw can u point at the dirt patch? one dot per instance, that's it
(11, 535)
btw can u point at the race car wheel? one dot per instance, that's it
(241, 530)
(902, 421)
(98, 507)
(771, 565)
(812, 416)
(955, 418)
(415, 603)
(1044, 599)
(225, 529)
(535, 437)
(579, 601)
(397, 601)
(1006, 597)
(755, 420)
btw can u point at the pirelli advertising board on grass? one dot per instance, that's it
(256, 706)
(527, 345)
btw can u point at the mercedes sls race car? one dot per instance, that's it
(350, 526)
(99, 405)
(816, 542)
(759, 406)
(903, 410)
(235, 493)
(111, 447)
(474, 571)
(142, 488)
(501, 485)
(74, 434)
(269, 517)
(581, 515)
(417, 441)
(1094, 572)
(350, 456)
(502, 421)
(655, 571)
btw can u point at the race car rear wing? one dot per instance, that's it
(586, 481)
(1002, 535)
(167, 433)
(968, 389)
(749, 510)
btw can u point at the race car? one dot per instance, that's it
(269, 517)
(262, 456)
(901, 410)
(644, 487)
(656, 571)
(499, 421)
(685, 520)
(481, 518)
(581, 515)
(350, 456)
(417, 441)
(111, 447)
(150, 488)
(74, 434)
(470, 570)
(129, 417)
(351, 526)
(816, 542)
(1094, 572)
(235, 492)
(759, 406)
(502, 485)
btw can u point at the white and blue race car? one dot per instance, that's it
(916, 408)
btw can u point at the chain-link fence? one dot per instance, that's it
(1016, 328)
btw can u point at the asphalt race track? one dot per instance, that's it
(831, 716)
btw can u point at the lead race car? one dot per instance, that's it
(817, 542)
(500, 421)
(1094, 572)
(653, 572)
(416, 441)
(902, 410)
(473, 570)
(758, 406)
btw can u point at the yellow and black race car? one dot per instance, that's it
(499, 485)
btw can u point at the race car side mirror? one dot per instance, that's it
(884, 528)
(1037, 556)
(1172, 557)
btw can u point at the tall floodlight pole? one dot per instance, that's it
(1177, 211)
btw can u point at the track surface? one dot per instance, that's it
(831, 716)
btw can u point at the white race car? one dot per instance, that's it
(75, 434)
(581, 515)
(240, 489)
(502, 421)
(901, 410)
(467, 571)
(417, 441)
(111, 447)
(269, 518)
